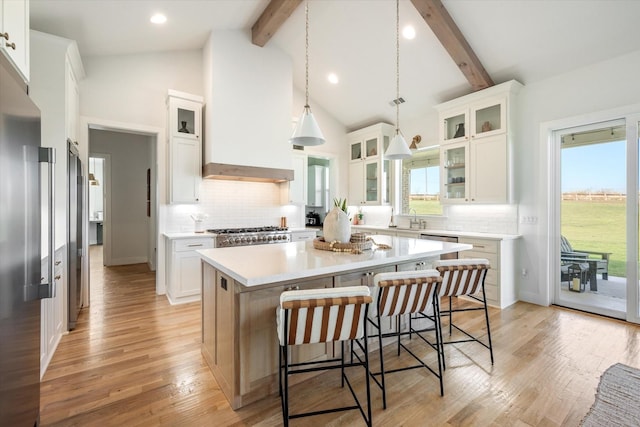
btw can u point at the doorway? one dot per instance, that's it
(594, 240)
(593, 200)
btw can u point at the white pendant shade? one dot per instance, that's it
(307, 131)
(398, 149)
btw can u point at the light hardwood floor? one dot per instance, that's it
(135, 360)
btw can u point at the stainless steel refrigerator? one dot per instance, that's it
(22, 279)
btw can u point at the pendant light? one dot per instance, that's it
(307, 131)
(398, 149)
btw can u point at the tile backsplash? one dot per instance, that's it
(231, 204)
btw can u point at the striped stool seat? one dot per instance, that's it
(322, 316)
(398, 294)
(464, 277)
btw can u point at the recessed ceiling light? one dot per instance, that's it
(158, 18)
(409, 32)
(333, 78)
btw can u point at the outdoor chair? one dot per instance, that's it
(599, 263)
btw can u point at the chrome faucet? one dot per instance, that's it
(414, 222)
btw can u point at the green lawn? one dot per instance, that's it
(591, 225)
(426, 207)
(597, 226)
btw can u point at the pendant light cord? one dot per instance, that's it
(306, 54)
(397, 67)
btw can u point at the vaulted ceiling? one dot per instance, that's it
(527, 40)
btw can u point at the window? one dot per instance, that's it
(420, 188)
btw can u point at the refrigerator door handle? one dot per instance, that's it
(48, 155)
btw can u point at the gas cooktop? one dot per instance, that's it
(266, 229)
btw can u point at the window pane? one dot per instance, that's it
(420, 189)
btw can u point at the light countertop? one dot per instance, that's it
(188, 235)
(451, 233)
(265, 264)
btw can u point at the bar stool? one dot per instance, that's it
(464, 277)
(322, 316)
(405, 293)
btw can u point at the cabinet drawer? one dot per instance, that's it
(183, 245)
(494, 261)
(481, 245)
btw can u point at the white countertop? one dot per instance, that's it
(188, 235)
(264, 264)
(452, 233)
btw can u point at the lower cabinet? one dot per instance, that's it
(499, 284)
(185, 268)
(239, 340)
(298, 235)
(52, 312)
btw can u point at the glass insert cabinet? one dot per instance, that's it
(369, 172)
(476, 133)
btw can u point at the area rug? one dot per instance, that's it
(617, 398)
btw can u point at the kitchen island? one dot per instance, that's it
(241, 289)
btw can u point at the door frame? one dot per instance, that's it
(631, 115)
(160, 199)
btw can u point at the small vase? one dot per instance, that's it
(336, 226)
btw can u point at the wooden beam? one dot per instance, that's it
(436, 16)
(274, 15)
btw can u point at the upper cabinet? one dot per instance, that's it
(14, 34)
(369, 172)
(295, 192)
(184, 112)
(476, 133)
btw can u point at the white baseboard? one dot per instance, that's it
(128, 261)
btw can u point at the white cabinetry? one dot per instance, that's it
(499, 284)
(55, 70)
(295, 192)
(51, 313)
(185, 146)
(14, 34)
(185, 268)
(476, 132)
(369, 172)
(298, 235)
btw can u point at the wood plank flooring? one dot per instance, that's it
(135, 360)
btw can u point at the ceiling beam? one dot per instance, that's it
(274, 15)
(436, 16)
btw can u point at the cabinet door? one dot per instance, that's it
(298, 187)
(189, 274)
(258, 339)
(488, 180)
(455, 172)
(454, 126)
(184, 118)
(72, 104)
(488, 118)
(14, 21)
(185, 170)
(356, 151)
(356, 183)
(372, 182)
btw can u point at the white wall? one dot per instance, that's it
(248, 102)
(602, 86)
(128, 231)
(133, 88)
(130, 91)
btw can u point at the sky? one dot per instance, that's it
(594, 168)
